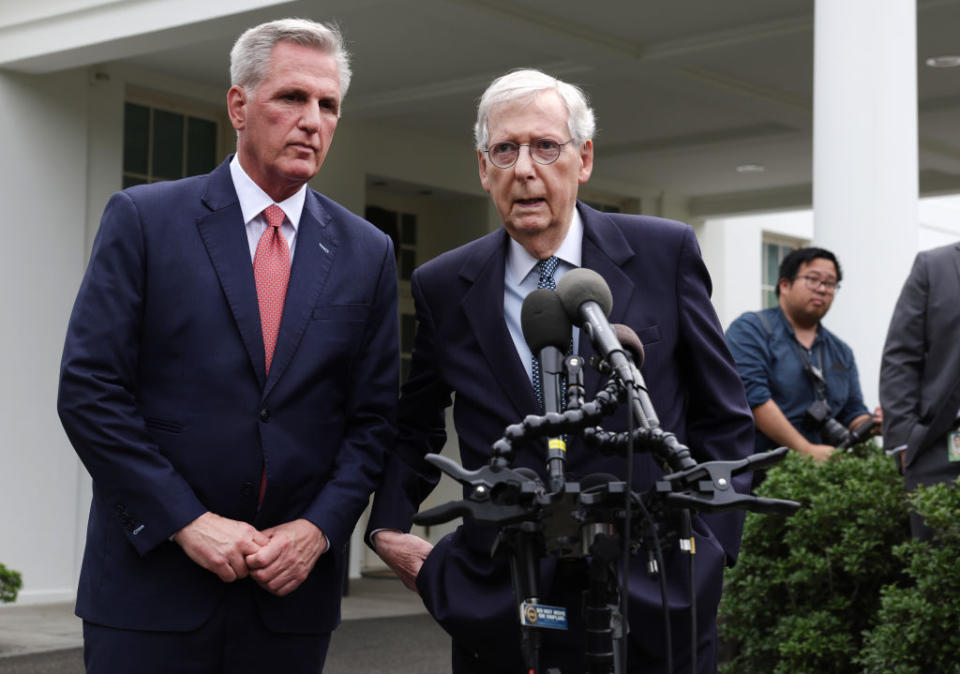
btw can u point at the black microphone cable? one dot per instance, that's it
(655, 538)
(686, 533)
(628, 509)
(662, 574)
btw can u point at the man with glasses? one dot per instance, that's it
(799, 376)
(534, 141)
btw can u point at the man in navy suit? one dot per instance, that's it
(534, 147)
(229, 380)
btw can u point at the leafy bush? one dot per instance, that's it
(918, 625)
(10, 584)
(807, 586)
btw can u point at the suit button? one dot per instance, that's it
(246, 489)
(265, 414)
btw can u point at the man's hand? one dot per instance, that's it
(878, 420)
(220, 544)
(819, 452)
(286, 560)
(404, 553)
(772, 423)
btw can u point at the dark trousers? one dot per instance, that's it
(233, 641)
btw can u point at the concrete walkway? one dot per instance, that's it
(47, 639)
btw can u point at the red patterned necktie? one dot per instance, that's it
(271, 269)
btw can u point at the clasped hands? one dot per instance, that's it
(279, 559)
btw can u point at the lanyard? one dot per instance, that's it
(815, 371)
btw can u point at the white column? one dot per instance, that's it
(865, 164)
(43, 133)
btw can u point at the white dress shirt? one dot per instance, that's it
(254, 200)
(520, 278)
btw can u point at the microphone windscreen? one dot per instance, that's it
(583, 285)
(544, 321)
(630, 341)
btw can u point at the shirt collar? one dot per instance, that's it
(520, 263)
(819, 335)
(253, 199)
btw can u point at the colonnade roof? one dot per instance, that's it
(708, 102)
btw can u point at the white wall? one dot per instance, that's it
(364, 148)
(939, 221)
(44, 180)
(733, 252)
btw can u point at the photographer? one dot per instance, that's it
(801, 379)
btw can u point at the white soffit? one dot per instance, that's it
(38, 41)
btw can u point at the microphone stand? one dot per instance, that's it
(603, 623)
(575, 523)
(525, 575)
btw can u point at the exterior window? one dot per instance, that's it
(164, 145)
(402, 230)
(773, 254)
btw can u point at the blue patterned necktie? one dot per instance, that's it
(547, 269)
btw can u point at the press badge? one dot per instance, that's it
(541, 615)
(953, 445)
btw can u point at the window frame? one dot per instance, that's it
(224, 135)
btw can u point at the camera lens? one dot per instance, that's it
(833, 432)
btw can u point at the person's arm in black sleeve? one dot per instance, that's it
(901, 368)
(408, 478)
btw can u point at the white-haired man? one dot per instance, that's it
(534, 137)
(229, 380)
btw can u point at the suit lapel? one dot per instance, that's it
(225, 239)
(605, 251)
(313, 259)
(483, 306)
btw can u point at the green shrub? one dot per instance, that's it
(918, 624)
(807, 586)
(10, 584)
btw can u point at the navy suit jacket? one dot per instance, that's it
(164, 395)
(661, 289)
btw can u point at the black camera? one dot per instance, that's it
(832, 431)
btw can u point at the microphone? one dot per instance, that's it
(547, 331)
(676, 456)
(631, 342)
(587, 300)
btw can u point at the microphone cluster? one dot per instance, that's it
(582, 299)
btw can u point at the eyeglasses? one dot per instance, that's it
(542, 150)
(814, 282)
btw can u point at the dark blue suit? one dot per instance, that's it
(164, 395)
(661, 289)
